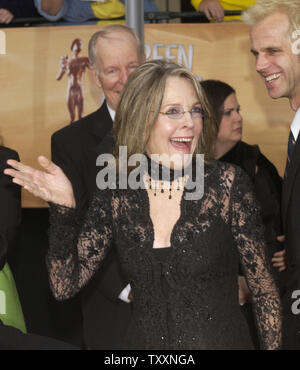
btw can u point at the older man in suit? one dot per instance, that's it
(275, 29)
(114, 52)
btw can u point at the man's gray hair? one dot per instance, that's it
(107, 32)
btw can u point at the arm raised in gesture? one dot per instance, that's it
(50, 184)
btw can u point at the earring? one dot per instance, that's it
(155, 188)
(170, 190)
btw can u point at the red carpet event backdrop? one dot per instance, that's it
(44, 74)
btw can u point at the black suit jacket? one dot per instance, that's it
(75, 149)
(13, 339)
(10, 208)
(291, 227)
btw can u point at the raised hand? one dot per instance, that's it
(51, 185)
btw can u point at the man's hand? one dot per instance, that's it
(212, 9)
(5, 16)
(52, 7)
(279, 258)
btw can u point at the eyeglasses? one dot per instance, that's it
(178, 113)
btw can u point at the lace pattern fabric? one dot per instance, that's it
(201, 309)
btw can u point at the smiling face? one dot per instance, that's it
(176, 136)
(275, 61)
(230, 129)
(117, 57)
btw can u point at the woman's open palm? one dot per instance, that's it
(51, 185)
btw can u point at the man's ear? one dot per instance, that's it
(96, 78)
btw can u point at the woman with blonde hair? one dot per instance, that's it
(180, 251)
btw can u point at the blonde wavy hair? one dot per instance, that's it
(140, 104)
(263, 8)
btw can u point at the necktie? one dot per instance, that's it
(291, 146)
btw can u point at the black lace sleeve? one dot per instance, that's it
(76, 247)
(249, 235)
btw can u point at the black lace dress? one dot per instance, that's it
(190, 300)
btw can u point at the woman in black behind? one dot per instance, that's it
(230, 148)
